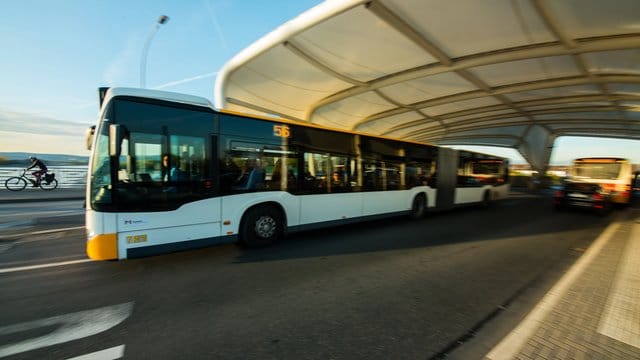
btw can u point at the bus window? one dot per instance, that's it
(324, 173)
(283, 174)
(416, 174)
(372, 176)
(139, 179)
(316, 167)
(251, 175)
(100, 180)
(393, 179)
(187, 155)
(256, 167)
(339, 171)
(487, 171)
(595, 170)
(243, 169)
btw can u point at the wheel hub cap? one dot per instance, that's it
(265, 227)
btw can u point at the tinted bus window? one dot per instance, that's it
(165, 156)
(249, 167)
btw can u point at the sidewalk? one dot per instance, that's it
(37, 194)
(593, 312)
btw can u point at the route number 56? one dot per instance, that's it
(281, 131)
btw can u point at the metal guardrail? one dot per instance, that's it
(69, 177)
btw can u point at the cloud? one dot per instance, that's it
(32, 123)
(118, 71)
(186, 80)
(216, 24)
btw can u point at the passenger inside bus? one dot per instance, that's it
(276, 177)
(337, 179)
(171, 172)
(251, 178)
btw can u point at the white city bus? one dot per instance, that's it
(169, 172)
(613, 174)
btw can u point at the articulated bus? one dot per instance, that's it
(169, 172)
(613, 174)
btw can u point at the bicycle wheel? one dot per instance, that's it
(15, 183)
(50, 186)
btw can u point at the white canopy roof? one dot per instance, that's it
(510, 73)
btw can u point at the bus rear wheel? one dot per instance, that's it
(261, 226)
(486, 200)
(419, 206)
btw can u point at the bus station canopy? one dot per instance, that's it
(508, 73)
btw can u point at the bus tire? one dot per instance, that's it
(261, 225)
(418, 206)
(486, 199)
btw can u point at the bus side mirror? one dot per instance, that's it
(115, 139)
(88, 136)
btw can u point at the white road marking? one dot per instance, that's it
(54, 230)
(621, 313)
(41, 232)
(5, 246)
(512, 343)
(116, 352)
(42, 266)
(42, 213)
(68, 327)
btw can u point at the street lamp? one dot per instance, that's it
(143, 61)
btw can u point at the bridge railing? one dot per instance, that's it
(68, 177)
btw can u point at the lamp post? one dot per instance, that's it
(143, 61)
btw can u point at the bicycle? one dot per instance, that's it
(18, 183)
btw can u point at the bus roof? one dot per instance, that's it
(158, 94)
(200, 101)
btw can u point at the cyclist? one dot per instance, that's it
(35, 162)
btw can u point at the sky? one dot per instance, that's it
(56, 53)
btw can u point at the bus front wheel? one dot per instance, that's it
(261, 226)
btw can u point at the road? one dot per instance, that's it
(377, 290)
(27, 214)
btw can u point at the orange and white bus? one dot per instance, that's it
(612, 173)
(169, 172)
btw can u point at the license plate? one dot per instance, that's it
(578, 203)
(578, 195)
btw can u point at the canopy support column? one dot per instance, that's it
(536, 147)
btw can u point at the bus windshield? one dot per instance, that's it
(610, 170)
(163, 157)
(100, 180)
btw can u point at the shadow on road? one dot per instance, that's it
(513, 219)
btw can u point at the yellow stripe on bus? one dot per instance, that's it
(103, 247)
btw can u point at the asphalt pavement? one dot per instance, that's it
(10, 228)
(587, 313)
(37, 194)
